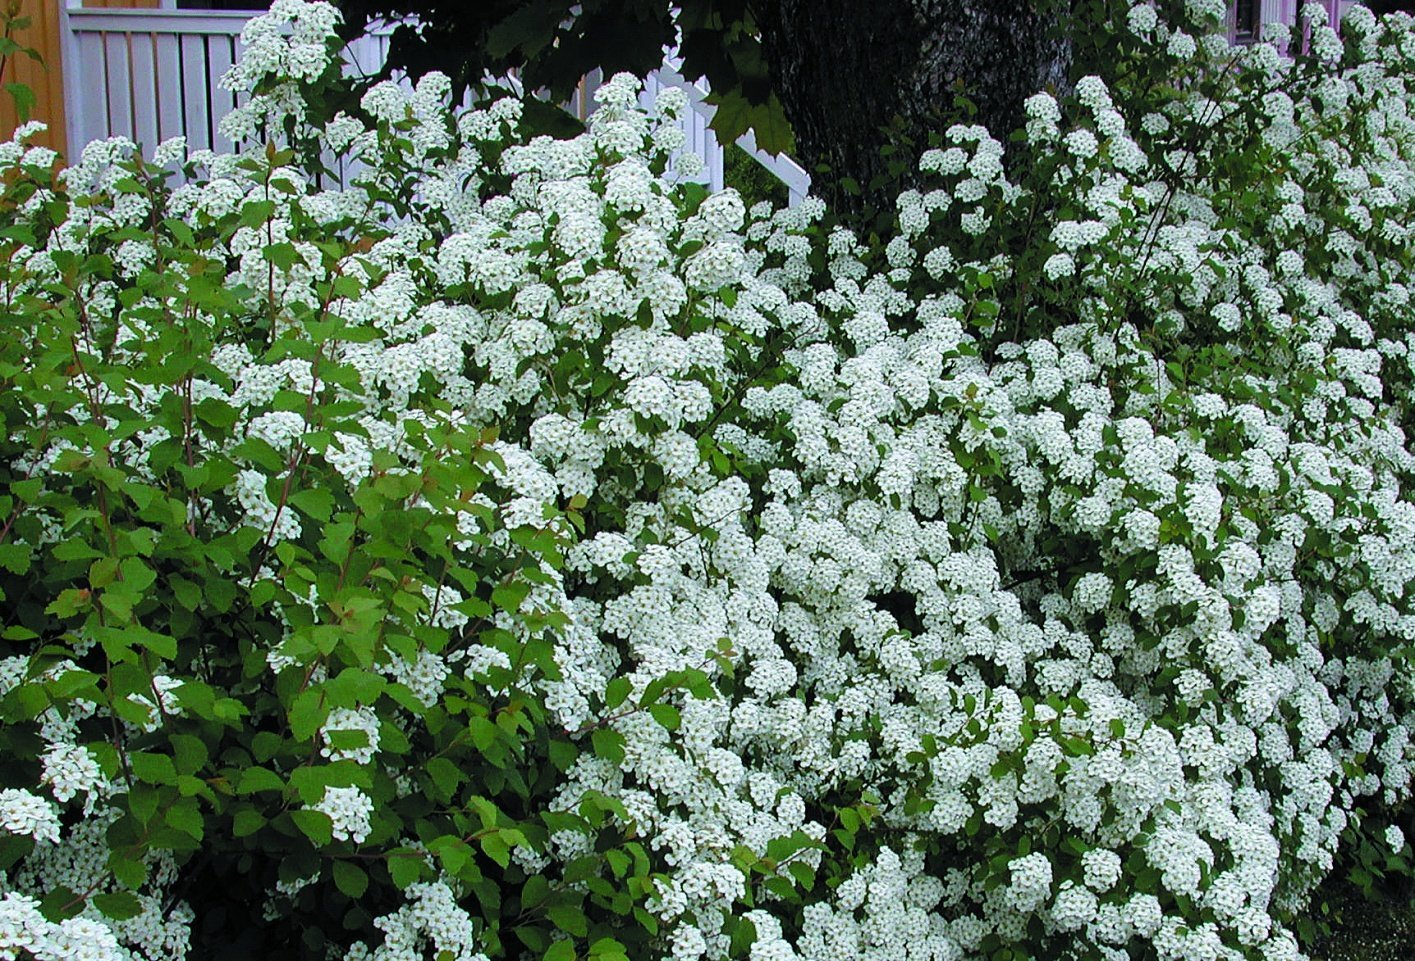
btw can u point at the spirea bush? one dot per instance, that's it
(520, 553)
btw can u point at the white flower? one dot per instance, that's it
(1030, 884)
(24, 813)
(69, 770)
(361, 721)
(350, 809)
(1102, 869)
(1142, 19)
(1081, 144)
(1395, 838)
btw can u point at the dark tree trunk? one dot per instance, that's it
(846, 70)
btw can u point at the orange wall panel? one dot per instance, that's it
(46, 79)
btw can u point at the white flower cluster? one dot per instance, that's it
(1127, 587)
(431, 920)
(26, 933)
(349, 809)
(360, 721)
(27, 814)
(283, 48)
(70, 770)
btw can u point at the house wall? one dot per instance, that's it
(46, 79)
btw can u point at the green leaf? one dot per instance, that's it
(153, 768)
(563, 754)
(666, 715)
(744, 933)
(216, 413)
(257, 779)
(189, 752)
(315, 825)
(70, 602)
(453, 852)
(608, 744)
(529, 28)
(186, 817)
(348, 741)
(130, 872)
(318, 504)
(353, 687)
(733, 116)
(607, 949)
(736, 116)
(497, 849)
(405, 867)
(350, 879)
(15, 558)
(118, 905)
(23, 97)
(187, 594)
(256, 212)
(308, 714)
(246, 822)
(560, 951)
(617, 692)
(534, 892)
(571, 920)
(118, 603)
(13, 849)
(265, 745)
(60, 904)
(310, 782)
(444, 774)
(137, 576)
(283, 255)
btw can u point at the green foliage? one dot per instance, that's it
(302, 612)
(142, 604)
(750, 179)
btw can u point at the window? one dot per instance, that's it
(1247, 20)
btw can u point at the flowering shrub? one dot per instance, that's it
(517, 552)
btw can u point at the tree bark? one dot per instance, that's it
(846, 70)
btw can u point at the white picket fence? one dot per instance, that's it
(153, 74)
(703, 142)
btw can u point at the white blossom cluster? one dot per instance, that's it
(30, 815)
(360, 721)
(282, 49)
(1095, 628)
(349, 810)
(26, 933)
(432, 921)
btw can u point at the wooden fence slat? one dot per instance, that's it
(120, 89)
(169, 86)
(146, 89)
(196, 111)
(221, 54)
(88, 113)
